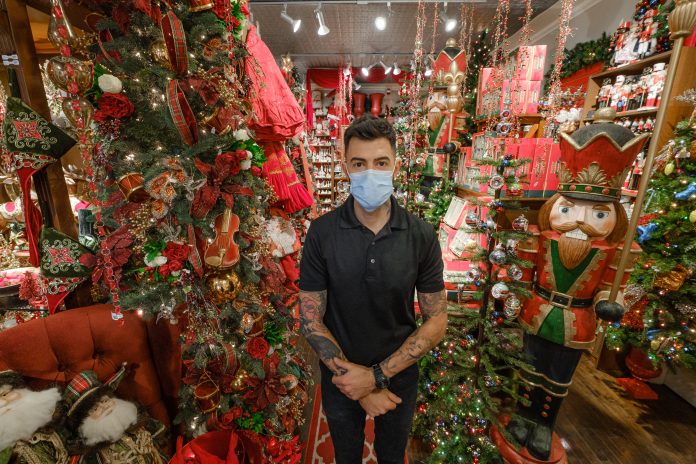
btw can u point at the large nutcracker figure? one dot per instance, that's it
(444, 106)
(575, 252)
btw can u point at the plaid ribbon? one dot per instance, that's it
(182, 114)
(175, 39)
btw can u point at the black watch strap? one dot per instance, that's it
(381, 380)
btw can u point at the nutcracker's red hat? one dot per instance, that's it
(596, 159)
(443, 63)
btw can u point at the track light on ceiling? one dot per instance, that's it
(346, 70)
(381, 21)
(428, 71)
(450, 23)
(387, 69)
(366, 70)
(323, 28)
(397, 69)
(356, 86)
(295, 23)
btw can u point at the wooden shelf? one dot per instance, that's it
(636, 67)
(341, 179)
(628, 114)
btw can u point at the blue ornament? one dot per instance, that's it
(685, 194)
(645, 232)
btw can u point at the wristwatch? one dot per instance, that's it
(381, 380)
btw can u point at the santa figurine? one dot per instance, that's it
(111, 429)
(575, 254)
(26, 418)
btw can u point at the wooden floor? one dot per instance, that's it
(601, 424)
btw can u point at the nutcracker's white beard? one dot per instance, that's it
(19, 419)
(110, 427)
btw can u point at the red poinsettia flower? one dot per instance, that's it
(268, 390)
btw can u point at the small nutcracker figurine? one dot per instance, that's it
(575, 252)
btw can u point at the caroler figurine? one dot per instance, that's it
(575, 253)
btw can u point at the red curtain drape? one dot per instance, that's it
(329, 79)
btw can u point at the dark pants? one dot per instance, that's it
(346, 420)
(555, 361)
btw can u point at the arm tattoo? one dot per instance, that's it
(312, 310)
(415, 347)
(422, 340)
(432, 304)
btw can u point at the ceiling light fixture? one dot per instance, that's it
(323, 28)
(381, 21)
(428, 71)
(366, 69)
(450, 23)
(346, 71)
(295, 23)
(356, 85)
(387, 69)
(397, 69)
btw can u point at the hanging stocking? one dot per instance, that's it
(33, 143)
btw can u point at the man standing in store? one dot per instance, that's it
(360, 269)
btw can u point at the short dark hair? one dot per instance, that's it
(369, 127)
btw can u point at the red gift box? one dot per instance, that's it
(531, 97)
(530, 63)
(553, 171)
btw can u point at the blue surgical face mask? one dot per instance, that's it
(371, 188)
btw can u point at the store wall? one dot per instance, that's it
(590, 19)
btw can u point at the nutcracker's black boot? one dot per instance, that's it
(522, 423)
(547, 398)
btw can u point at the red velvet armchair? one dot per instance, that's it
(58, 347)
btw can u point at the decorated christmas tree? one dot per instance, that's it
(182, 193)
(662, 320)
(465, 381)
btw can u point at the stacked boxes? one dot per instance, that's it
(520, 94)
(539, 177)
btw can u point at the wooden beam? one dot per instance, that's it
(49, 182)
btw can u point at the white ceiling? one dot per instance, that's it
(353, 36)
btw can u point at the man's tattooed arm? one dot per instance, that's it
(433, 306)
(312, 310)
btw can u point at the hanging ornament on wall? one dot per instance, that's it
(515, 189)
(512, 306)
(500, 290)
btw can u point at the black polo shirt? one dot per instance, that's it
(370, 279)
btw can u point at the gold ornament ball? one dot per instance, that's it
(240, 381)
(223, 285)
(673, 205)
(655, 344)
(669, 169)
(692, 217)
(692, 196)
(159, 53)
(683, 181)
